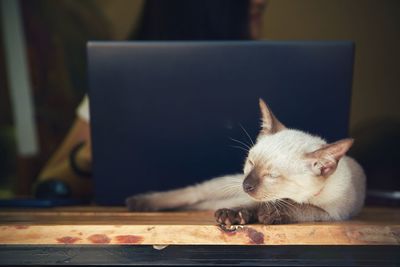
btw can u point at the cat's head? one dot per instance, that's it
(287, 163)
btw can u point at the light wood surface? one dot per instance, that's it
(110, 225)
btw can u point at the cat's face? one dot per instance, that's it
(287, 163)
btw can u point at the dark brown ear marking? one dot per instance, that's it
(270, 124)
(325, 159)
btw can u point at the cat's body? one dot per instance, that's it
(289, 176)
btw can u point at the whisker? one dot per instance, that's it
(287, 205)
(238, 186)
(240, 142)
(279, 204)
(248, 135)
(277, 209)
(229, 190)
(268, 205)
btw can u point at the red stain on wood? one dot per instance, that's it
(99, 239)
(20, 227)
(67, 239)
(230, 233)
(129, 239)
(255, 236)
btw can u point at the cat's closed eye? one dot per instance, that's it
(273, 175)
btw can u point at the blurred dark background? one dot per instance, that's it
(56, 33)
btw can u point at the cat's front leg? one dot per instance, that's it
(289, 211)
(234, 216)
(272, 214)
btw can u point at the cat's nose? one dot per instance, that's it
(248, 186)
(251, 182)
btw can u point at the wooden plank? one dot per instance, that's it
(374, 226)
(201, 235)
(120, 216)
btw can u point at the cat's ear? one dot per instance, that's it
(270, 124)
(323, 162)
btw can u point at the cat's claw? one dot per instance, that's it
(231, 217)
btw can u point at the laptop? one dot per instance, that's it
(170, 114)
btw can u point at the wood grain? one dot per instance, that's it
(107, 225)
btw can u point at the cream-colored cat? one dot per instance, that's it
(289, 176)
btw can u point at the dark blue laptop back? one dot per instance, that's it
(163, 113)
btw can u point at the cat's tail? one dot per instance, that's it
(190, 197)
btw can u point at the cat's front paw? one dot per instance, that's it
(230, 217)
(140, 203)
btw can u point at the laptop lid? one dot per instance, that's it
(163, 114)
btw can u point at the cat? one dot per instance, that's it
(289, 176)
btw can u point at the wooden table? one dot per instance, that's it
(111, 235)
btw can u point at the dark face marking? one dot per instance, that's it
(251, 182)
